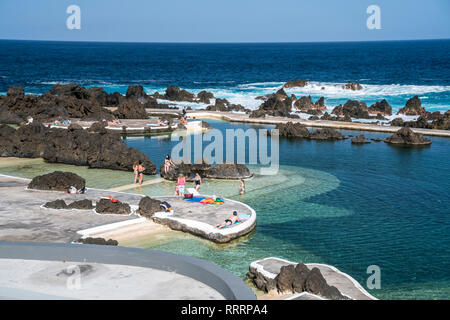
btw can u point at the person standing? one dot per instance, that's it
(140, 171)
(135, 170)
(180, 183)
(197, 181)
(168, 163)
(242, 188)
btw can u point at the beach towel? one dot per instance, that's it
(224, 227)
(212, 201)
(196, 199)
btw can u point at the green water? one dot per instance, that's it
(95, 178)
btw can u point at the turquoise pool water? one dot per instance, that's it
(331, 202)
(341, 204)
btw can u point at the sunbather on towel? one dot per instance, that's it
(230, 221)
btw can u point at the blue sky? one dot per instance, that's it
(224, 21)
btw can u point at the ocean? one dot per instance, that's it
(331, 202)
(393, 70)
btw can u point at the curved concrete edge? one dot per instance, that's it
(208, 231)
(227, 284)
(271, 275)
(109, 227)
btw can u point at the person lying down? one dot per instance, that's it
(229, 221)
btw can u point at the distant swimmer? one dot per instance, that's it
(242, 188)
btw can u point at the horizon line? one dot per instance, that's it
(224, 42)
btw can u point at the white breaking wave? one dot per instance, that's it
(336, 90)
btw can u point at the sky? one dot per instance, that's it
(224, 21)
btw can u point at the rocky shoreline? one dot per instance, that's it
(74, 101)
(94, 147)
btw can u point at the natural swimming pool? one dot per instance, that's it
(331, 202)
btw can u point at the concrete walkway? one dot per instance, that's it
(242, 117)
(99, 281)
(74, 271)
(132, 185)
(22, 217)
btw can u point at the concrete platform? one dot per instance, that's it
(74, 271)
(23, 217)
(100, 281)
(201, 219)
(270, 267)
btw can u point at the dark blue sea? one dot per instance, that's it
(395, 70)
(331, 202)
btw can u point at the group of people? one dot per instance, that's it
(181, 182)
(138, 169)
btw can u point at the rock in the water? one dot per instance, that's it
(276, 105)
(148, 206)
(361, 139)
(413, 107)
(405, 136)
(326, 134)
(376, 139)
(382, 107)
(352, 108)
(81, 205)
(57, 204)
(352, 86)
(228, 171)
(57, 181)
(205, 96)
(97, 150)
(98, 241)
(292, 130)
(295, 83)
(176, 94)
(107, 206)
(136, 92)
